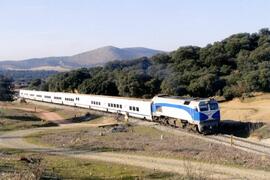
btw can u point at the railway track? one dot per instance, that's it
(246, 145)
(232, 141)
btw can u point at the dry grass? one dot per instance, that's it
(262, 133)
(254, 109)
(45, 166)
(149, 141)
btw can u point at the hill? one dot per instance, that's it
(105, 54)
(91, 58)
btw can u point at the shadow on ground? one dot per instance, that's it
(238, 128)
(85, 118)
(22, 118)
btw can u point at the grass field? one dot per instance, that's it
(148, 141)
(14, 166)
(47, 166)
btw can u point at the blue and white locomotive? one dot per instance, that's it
(203, 114)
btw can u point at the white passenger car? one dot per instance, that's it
(131, 106)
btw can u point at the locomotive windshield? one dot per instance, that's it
(203, 106)
(208, 106)
(213, 106)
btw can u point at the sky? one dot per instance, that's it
(41, 28)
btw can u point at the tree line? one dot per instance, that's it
(232, 67)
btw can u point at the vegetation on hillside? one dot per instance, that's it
(6, 89)
(237, 65)
(26, 75)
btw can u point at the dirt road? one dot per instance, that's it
(15, 139)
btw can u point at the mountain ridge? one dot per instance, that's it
(95, 57)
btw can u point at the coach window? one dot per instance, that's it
(117, 105)
(120, 106)
(137, 109)
(130, 108)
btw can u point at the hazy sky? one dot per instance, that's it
(38, 28)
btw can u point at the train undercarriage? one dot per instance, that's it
(202, 128)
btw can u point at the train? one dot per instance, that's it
(203, 114)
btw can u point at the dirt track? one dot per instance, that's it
(43, 114)
(15, 140)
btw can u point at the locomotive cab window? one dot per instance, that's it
(213, 106)
(203, 106)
